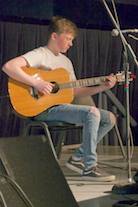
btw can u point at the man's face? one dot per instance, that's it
(64, 41)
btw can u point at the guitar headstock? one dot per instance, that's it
(120, 76)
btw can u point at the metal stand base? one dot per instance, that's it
(126, 203)
(126, 188)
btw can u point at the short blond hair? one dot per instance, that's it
(60, 25)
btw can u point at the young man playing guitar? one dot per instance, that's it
(96, 122)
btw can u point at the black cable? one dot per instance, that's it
(2, 200)
(19, 191)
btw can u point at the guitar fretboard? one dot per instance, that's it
(83, 82)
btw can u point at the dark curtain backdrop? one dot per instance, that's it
(95, 53)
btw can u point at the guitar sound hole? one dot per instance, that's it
(55, 88)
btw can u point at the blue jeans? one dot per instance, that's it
(94, 127)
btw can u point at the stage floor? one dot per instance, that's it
(99, 194)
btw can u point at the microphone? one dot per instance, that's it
(115, 32)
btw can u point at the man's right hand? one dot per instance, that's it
(44, 86)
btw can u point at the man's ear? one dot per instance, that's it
(53, 36)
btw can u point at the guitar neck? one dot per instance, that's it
(83, 82)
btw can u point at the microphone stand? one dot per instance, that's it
(127, 52)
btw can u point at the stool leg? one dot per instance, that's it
(45, 126)
(60, 141)
(47, 133)
(26, 130)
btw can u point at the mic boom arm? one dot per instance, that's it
(126, 45)
(115, 32)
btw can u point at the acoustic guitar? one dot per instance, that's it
(28, 102)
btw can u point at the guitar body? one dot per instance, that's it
(23, 100)
(28, 102)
